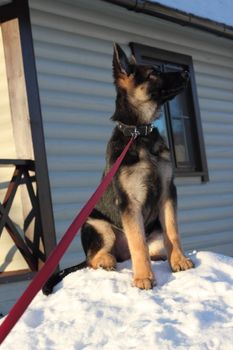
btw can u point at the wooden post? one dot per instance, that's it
(19, 114)
(17, 89)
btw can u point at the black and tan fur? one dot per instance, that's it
(136, 216)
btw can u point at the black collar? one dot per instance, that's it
(135, 130)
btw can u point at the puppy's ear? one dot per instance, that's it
(120, 62)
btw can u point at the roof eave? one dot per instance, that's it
(176, 16)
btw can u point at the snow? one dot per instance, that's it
(216, 10)
(94, 310)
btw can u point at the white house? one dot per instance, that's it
(56, 100)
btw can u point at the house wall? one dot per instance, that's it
(73, 47)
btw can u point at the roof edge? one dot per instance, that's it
(177, 16)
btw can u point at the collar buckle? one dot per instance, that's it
(135, 131)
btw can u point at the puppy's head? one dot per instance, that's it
(145, 87)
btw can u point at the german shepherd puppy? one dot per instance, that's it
(136, 216)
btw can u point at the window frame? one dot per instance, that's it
(145, 55)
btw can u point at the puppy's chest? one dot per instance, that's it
(145, 175)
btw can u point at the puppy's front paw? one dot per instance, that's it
(144, 280)
(144, 283)
(181, 263)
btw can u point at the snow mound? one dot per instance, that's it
(100, 310)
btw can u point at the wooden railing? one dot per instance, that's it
(23, 173)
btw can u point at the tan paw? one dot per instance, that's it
(144, 283)
(103, 260)
(181, 263)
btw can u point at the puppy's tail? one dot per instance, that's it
(58, 277)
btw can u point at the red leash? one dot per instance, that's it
(53, 260)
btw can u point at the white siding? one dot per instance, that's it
(73, 46)
(9, 293)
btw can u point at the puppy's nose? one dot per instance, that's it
(185, 75)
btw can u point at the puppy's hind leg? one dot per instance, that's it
(98, 240)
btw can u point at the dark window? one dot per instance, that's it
(180, 118)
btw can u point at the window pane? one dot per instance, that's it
(180, 128)
(179, 140)
(161, 125)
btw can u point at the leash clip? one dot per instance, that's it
(135, 133)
